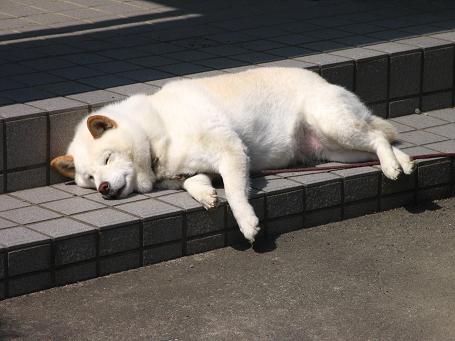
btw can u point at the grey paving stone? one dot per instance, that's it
(403, 107)
(120, 262)
(392, 48)
(397, 200)
(162, 230)
(439, 100)
(75, 249)
(29, 259)
(358, 53)
(107, 202)
(274, 185)
(424, 42)
(287, 63)
(6, 223)
(202, 221)
(8, 203)
(160, 192)
(434, 172)
(72, 205)
(72, 188)
(412, 151)
(447, 130)
(58, 104)
(371, 80)
(41, 195)
(321, 217)
(2, 152)
(119, 239)
(162, 253)
(434, 193)
(30, 214)
(26, 142)
(62, 228)
(361, 187)
(2, 265)
(342, 75)
(419, 121)
(97, 97)
(19, 180)
(204, 244)
(420, 137)
(447, 114)
(285, 204)
(438, 69)
(150, 208)
(405, 74)
(61, 130)
(320, 196)
(402, 184)
(181, 69)
(20, 237)
(360, 208)
(29, 283)
(316, 179)
(133, 89)
(285, 224)
(325, 59)
(106, 217)
(183, 200)
(19, 111)
(75, 273)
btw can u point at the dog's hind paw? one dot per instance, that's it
(391, 171)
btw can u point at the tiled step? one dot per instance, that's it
(55, 235)
(394, 79)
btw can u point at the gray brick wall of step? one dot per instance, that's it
(394, 78)
(55, 235)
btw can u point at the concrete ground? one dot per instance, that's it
(387, 276)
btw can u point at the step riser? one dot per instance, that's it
(392, 84)
(283, 205)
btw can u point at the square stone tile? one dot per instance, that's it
(75, 273)
(119, 239)
(273, 185)
(163, 230)
(72, 188)
(447, 130)
(445, 146)
(202, 221)
(20, 111)
(444, 114)
(26, 142)
(58, 104)
(115, 202)
(106, 218)
(371, 79)
(182, 200)
(41, 194)
(30, 259)
(403, 107)
(19, 236)
(151, 208)
(162, 253)
(71, 206)
(6, 223)
(120, 262)
(8, 203)
(405, 74)
(30, 214)
(342, 75)
(61, 228)
(29, 283)
(204, 244)
(420, 137)
(437, 100)
(419, 121)
(28, 178)
(438, 69)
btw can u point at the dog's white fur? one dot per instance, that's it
(229, 125)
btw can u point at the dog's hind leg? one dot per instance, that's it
(200, 188)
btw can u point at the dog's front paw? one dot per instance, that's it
(249, 227)
(208, 198)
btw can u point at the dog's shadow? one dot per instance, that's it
(263, 244)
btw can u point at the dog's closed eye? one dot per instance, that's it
(106, 161)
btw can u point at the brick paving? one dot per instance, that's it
(52, 48)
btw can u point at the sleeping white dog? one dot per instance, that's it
(228, 125)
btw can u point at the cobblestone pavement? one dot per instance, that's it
(53, 48)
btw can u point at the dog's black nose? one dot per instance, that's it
(103, 188)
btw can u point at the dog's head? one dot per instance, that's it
(101, 156)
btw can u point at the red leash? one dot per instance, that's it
(347, 166)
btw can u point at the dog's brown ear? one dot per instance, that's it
(98, 124)
(64, 165)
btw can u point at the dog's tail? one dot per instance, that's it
(378, 123)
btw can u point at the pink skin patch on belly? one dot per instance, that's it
(308, 145)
